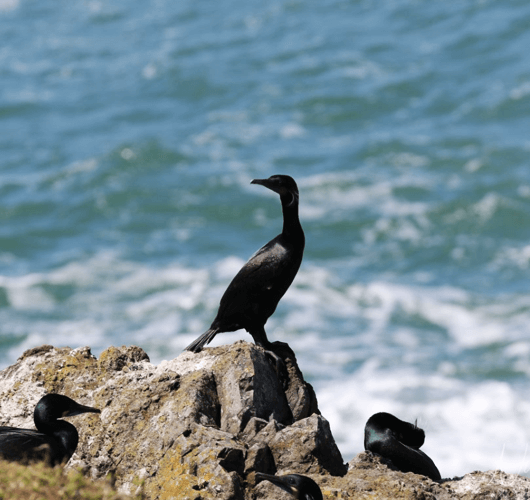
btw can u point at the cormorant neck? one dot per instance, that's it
(66, 434)
(60, 429)
(291, 223)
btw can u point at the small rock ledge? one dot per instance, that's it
(200, 426)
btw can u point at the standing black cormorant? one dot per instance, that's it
(301, 487)
(399, 441)
(55, 441)
(255, 291)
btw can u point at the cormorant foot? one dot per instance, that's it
(279, 366)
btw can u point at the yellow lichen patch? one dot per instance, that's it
(57, 375)
(174, 479)
(109, 354)
(140, 425)
(189, 471)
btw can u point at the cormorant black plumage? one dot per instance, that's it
(255, 291)
(301, 487)
(399, 441)
(54, 440)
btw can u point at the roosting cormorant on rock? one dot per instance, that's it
(55, 440)
(255, 291)
(301, 487)
(399, 441)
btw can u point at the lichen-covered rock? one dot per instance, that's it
(188, 427)
(493, 485)
(319, 453)
(372, 477)
(199, 427)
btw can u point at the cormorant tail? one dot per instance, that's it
(205, 338)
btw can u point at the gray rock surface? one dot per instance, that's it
(201, 425)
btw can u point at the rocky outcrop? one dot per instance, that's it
(198, 426)
(201, 425)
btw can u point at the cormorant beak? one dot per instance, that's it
(267, 183)
(278, 481)
(262, 182)
(79, 409)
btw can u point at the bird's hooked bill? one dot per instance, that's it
(80, 409)
(266, 183)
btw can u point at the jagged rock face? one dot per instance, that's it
(198, 426)
(371, 476)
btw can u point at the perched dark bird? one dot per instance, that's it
(399, 441)
(55, 440)
(255, 291)
(301, 487)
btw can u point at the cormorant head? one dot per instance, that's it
(412, 435)
(301, 487)
(284, 185)
(54, 406)
(382, 425)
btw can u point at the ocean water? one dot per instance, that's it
(130, 131)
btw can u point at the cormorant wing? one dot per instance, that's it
(19, 444)
(264, 275)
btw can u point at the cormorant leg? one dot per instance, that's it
(260, 337)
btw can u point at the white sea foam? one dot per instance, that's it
(330, 196)
(125, 295)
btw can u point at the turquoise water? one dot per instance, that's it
(130, 131)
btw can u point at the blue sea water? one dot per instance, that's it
(130, 131)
